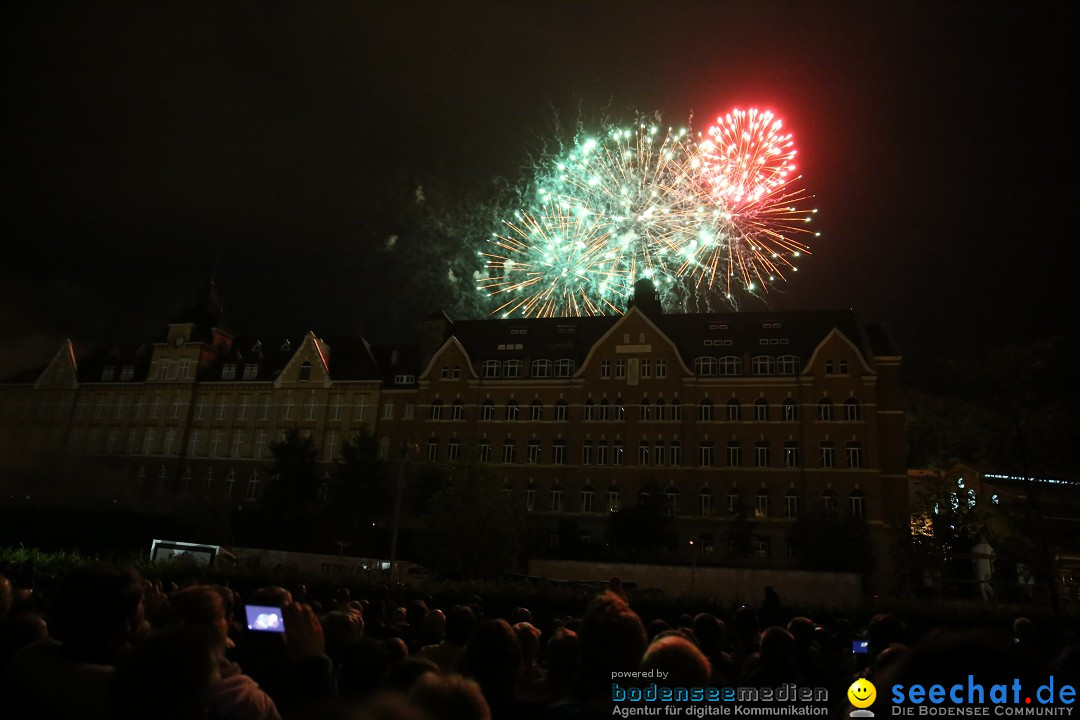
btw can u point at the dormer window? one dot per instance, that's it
(127, 372)
(286, 346)
(108, 373)
(305, 372)
(404, 379)
(228, 371)
(251, 371)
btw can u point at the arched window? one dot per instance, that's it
(536, 410)
(828, 502)
(824, 409)
(605, 406)
(671, 500)
(761, 410)
(761, 504)
(458, 411)
(643, 413)
(787, 365)
(763, 365)
(512, 369)
(660, 409)
(564, 367)
(588, 499)
(487, 410)
(854, 455)
(705, 410)
(436, 409)
(852, 409)
(731, 365)
(790, 410)
(705, 365)
(590, 409)
(490, 368)
(305, 372)
(791, 504)
(541, 368)
(705, 502)
(561, 411)
(734, 410)
(857, 504)
(512, 410)
(825, 455)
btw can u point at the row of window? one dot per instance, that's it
(659, 410)
(513, 369)
(762, 507)
(228, 482)
(222, 408)
(657, 453)
(199, 444)
(708, 366)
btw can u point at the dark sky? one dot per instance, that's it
(146, 143)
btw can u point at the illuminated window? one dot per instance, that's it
(761, 504)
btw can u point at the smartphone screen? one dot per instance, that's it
(265, 618)
(860, 646)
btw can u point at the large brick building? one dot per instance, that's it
(777, 413)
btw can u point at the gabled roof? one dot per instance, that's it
(91, 365)
(715, 334)
(349, 357)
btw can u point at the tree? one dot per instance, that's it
(740, 535)
(358, 497)
(643, 526)
(472, 529)
(829, 543)
(286, 517)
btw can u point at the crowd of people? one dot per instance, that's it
(107, 644)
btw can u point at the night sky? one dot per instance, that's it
(149, 145)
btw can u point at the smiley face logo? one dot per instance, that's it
(862, 693)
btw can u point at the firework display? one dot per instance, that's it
(704, 218)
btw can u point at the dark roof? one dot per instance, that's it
(92, 364)
(538, 337)
(791, 333)
(349, 358)
(783, 333)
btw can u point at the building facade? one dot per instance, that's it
(767, 415)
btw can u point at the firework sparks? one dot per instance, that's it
(748, 167)
(693, 215)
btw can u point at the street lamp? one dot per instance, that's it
(693, 566)
(397, 508)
